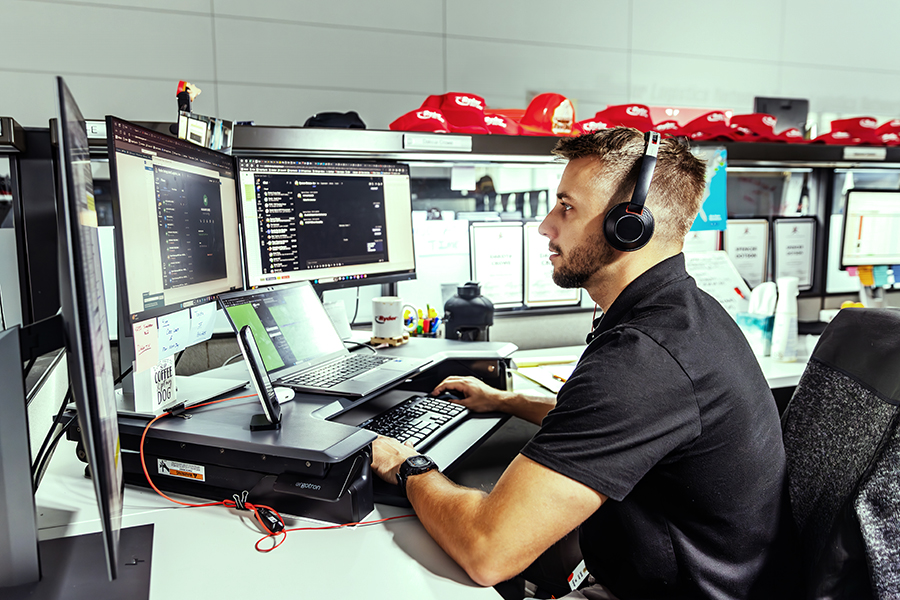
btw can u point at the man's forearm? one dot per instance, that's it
(531, 407)
(459, 520)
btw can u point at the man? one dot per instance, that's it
(663, 449)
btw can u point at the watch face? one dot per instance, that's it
(418, 461)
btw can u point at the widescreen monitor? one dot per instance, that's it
(175, 212)
(84, 315)
(335, 223)
(871, 229)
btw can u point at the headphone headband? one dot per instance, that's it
(648, 165)
(629, 226)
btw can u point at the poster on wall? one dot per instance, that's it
(747, 244)
(539, 287)
(794, 250)
(497, 261)
(714, 209)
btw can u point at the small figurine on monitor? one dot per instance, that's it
(186, 93)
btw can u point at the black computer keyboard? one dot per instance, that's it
(337, 372)
(420, 419)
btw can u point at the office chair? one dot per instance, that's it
(843, 458)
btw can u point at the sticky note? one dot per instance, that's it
(851, 271)
(174, 332)
(880, 275)
(203, 318)
(865, 276)
(146, 345)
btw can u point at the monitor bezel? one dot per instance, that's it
(125, 317)
(95, 427)
(388, 277)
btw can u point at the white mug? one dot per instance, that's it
(387, 317)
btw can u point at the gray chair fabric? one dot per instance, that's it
(843, 457)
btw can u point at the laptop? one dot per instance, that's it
(301, 348)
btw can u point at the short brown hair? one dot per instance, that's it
(679, 180)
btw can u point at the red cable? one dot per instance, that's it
(247, 505)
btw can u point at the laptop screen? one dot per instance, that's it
(289, 323)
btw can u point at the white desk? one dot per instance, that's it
(209, 553)
(778, 374)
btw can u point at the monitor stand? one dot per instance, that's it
(71, 568)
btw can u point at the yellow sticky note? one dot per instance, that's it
(866, 276)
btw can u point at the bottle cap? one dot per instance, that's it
(787, 287)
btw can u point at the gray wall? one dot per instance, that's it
(279, 61)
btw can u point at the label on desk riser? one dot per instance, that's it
(174, 468)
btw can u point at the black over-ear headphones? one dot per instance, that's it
(629, 226)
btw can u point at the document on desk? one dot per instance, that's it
(551, 377)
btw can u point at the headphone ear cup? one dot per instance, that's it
(626, 231)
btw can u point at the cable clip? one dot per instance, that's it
(240, 501)
(179, 410)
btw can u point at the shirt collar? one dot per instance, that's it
(659, 275)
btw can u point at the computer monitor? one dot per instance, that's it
(175, 212)
(871, 233)
(84, 317)
(335, 223)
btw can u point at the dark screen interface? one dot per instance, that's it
(191, 234)
(341, 221)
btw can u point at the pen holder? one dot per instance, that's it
(758, 331)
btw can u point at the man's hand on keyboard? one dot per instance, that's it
(477, 396)
(387, 456)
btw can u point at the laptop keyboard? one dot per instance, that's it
(420, 419)
(336, 372)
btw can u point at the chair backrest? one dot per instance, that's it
(839, 431)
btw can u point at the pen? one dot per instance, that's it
(559, 378)
(740, 293)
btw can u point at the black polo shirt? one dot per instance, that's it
(669, 415)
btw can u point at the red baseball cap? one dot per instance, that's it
(890, 139)
(713, 126)
(852, 132)
(501, 124)
(627, 115)
(892, 126)
(792, 136)
(889, 133)
(670, 128)
(422, 119)
(838, 138)
(464, 112)
(753, 127)
(590, 126)
(548, 114)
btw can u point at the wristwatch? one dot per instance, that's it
(414, 465)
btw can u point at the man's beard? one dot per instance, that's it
(580, 263)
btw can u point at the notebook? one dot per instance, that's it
(302, 350)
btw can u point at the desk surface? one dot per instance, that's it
(396, 559)
(209, 552)
(778, 374)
